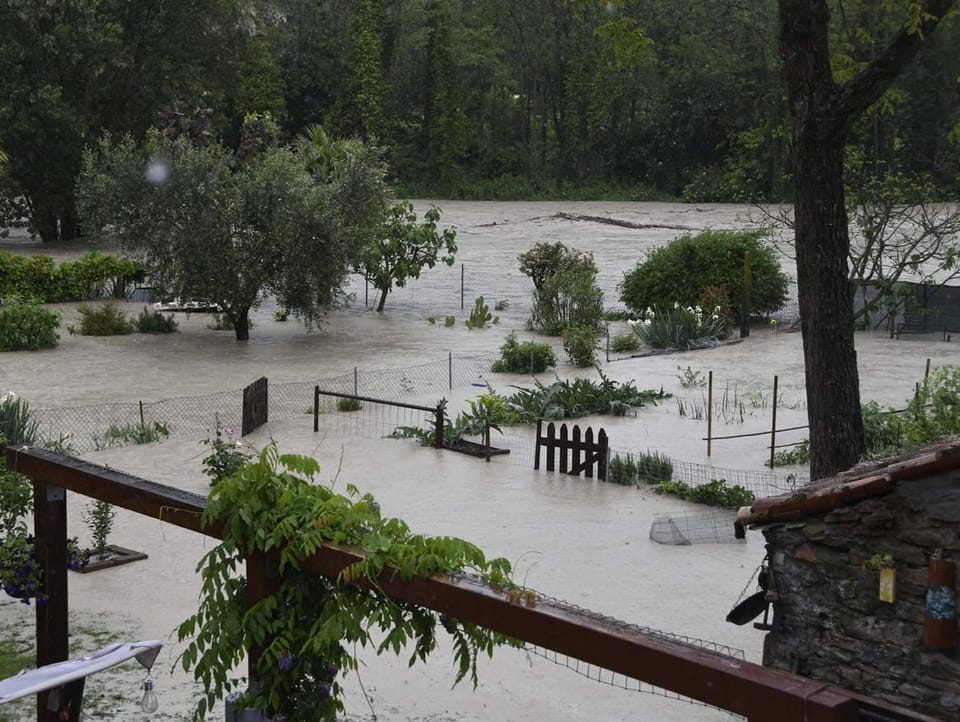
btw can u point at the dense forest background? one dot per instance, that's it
(637, 99)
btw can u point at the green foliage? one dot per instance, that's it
(208, 226)
(680, 327)
(449, 321)
(281, 314)
(16, 501)
(98, 517)
(92, 275)
(647, 467)
(25, 325)
(155, 322)
(16, 425)
(226, 457)
(122, 434)
(480, 315)
(349, 405)
(930, 416)
(521, 357)
(580, 345)
(799, 454)
(548, 259)
(310, 628)
(560, 400)
(569, 298)
(622, 470)
(105, 320)
(624, 343)
(654, 468)
(691, 378)
(403, 248)
(685, 268)
(713, 493)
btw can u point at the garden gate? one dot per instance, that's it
(254, 406)
(593, 453)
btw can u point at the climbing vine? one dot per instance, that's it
(308, 631)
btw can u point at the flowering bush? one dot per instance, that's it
(21, 575)
(225, 457)
(680, 327)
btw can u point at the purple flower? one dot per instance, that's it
(331, 669)
(323, 690)
(285, 662)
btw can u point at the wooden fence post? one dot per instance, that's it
(603, 447)
(50, 546)
(536, 448)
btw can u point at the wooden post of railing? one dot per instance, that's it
(438, 433)
(263, 579)
(50, 545)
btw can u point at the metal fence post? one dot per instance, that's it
(316, 409)
(461, 286)
(709, 411)
(450, 369)
(773, 425)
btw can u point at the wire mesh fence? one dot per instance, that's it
(684, 528)
(86, 428)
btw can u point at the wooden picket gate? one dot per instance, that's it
(584, 453)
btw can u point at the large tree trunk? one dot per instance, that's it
(822, 112)
(241, 323)
(383, 299)
(822, 241)
(826, 305)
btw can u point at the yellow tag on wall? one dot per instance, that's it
(888, 585)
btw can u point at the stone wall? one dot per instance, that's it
(830, 624)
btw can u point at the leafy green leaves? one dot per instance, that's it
(305, 629)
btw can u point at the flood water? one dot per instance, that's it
(577, 540)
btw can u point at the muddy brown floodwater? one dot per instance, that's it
(581, 541)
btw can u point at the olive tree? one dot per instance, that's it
(403, 248)
(209, 226)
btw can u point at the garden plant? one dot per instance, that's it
(308, 630)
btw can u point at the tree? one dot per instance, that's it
(822, 111)
(208, 226)
(402, 248)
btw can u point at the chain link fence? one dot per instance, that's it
(86, 428)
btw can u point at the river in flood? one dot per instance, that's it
(581, 541)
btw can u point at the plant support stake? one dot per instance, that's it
(773, 425)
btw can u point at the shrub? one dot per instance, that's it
(625, 343)
(25, 325)
(105, 320)
(799, 454)
(684, 268)
(679, 327)
(713, 493)
(92, 275)
(281, 314)
(569, 298)
(349, 404)
(622, 470)
(545, 260)
(580, 344)
(155, 322)
(654, 468)
(520, 357)
(16, 426)
(225, 458)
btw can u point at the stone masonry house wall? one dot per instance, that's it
(828, 620)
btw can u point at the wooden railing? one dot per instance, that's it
(748, 689)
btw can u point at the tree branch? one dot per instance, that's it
(866, 87)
